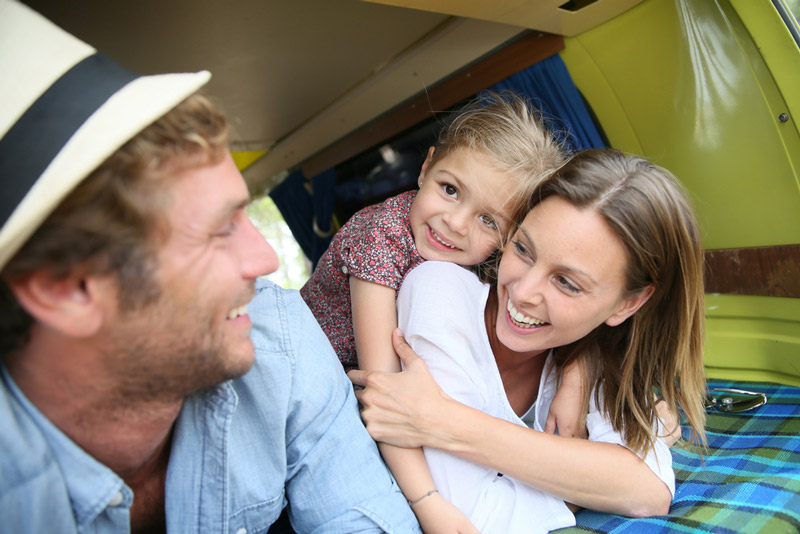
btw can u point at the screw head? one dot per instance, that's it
(783, 117)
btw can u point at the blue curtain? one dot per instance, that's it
(307, 207)
(547, 84)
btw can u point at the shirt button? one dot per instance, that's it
(116, 500)
(344, 269)
(241, 531)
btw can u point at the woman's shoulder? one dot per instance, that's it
(439, 282)
(441, 271)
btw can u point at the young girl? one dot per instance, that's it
(472, 186)
(607, 270)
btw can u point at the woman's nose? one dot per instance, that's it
(530, 288)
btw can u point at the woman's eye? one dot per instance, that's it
(566, 284)
(450, 190)
(488, 221)
(519, 248)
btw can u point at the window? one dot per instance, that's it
(294, 268)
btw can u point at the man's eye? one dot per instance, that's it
(227, 230)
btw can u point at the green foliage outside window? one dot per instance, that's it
(294, 268)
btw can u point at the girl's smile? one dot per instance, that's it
(438, 241)
(459, 213)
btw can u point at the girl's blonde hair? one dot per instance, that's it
(658, 352)
(512, 133)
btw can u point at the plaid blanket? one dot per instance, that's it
(748, 482)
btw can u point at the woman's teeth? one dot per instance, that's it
(522, 320)
(236, 312)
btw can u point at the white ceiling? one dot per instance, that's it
(275, 64)
(292, 75)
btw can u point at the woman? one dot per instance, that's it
(605, 271)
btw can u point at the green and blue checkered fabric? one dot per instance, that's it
(749, 481)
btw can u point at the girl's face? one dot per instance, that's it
(561, 276)
(460, 211)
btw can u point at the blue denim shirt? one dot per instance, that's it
(287, 431)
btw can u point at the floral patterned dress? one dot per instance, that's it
(375, 245)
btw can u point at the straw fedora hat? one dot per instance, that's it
(65, 109)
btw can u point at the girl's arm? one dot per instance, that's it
(568, 404)
(409, 409)
(374, 319)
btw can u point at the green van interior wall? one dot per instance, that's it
(684, 83)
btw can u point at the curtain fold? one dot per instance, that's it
(307, 207)
(549, 85)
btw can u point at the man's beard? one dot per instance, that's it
(163, 355)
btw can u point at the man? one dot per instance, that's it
(134, 396)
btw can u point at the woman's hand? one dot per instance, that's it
(400, 408)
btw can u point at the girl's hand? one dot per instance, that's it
(436, 515)
(672, 426)
(400, 408)
(567, 407)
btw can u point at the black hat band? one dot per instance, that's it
(43, 130)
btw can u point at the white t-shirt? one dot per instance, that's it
(441, 313)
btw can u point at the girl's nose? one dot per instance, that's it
(457, 219)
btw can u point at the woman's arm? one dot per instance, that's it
(374, 319)
(408, 409)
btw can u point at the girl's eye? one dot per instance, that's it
(450, 190)
(488, 221)
(567, 285)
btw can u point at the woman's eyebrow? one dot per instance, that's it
(567, 268)
(528, 238)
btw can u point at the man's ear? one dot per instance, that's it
(425, 165)
(71, 305)
(630, 306)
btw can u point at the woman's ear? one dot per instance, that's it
(425, 165)
(630, 306)
(70, 305)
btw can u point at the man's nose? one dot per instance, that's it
(259, 257)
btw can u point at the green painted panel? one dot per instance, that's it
(682, 83)
(753, 338)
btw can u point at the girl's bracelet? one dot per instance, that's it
(431, 492)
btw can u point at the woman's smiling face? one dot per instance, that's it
(561, 276)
